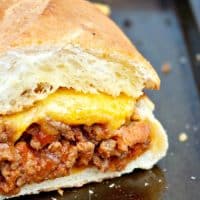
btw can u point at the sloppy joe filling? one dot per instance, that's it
(51, 149)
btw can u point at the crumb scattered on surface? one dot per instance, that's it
(166, 68)
(146, 184)
(159, 180)
(91, 192)
(198, 57)
(60, 192)
(183, 137)
(193, 178)
(112, 185)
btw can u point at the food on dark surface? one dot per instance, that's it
(72, 109)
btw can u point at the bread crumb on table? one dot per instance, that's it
(60, 192)
(111, 185)
(183, 137)
(193, 178)
(146, 184)
(166, 68)
(91, 192)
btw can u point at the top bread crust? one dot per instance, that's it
(25, 23)
(76, 42)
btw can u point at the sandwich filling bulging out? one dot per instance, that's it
(67, 132)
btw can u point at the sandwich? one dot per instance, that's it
(72, 106)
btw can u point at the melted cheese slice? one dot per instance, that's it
(73, 108)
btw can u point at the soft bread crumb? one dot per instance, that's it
(146, 184)
(183, 137)
(72, 68)
(60, 192)
(193, 178)
(112, 185)
(166, 68)
(91, 192)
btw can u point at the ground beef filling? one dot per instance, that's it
(52, 149)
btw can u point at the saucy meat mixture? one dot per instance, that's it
(52, 149)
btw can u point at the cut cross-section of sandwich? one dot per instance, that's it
(72, 108)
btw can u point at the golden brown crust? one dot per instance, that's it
(78, 22)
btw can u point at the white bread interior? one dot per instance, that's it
(29, 75)
(65, 43)
(157, 150)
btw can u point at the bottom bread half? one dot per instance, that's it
(156, 151)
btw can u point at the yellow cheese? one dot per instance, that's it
(73, 108)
